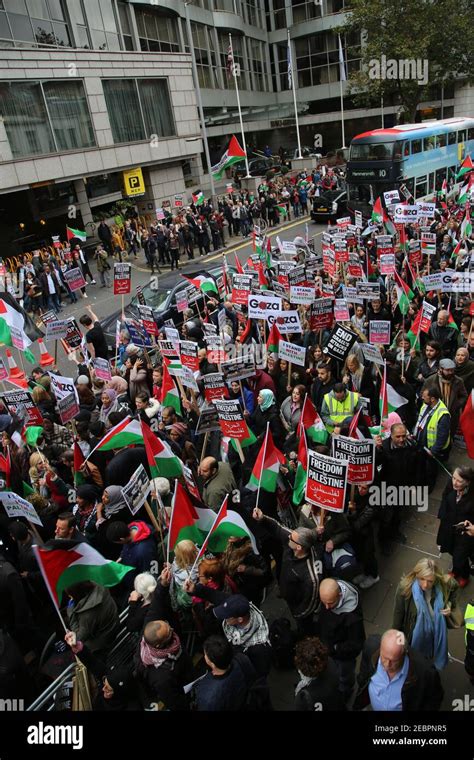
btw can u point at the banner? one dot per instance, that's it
(16, 507)
(68, 408)
(426, 210)
(379, 331)
(137, 489)
(360, 454)
(75, 279)
(189, 355)
(326, 482)
(321, 314)
(341, 311)
(208, 421)
(122, 279)
(57, 329)
(231, 420)
(14, 399)
(292, 353)
(238, 369)
(371, 353)
(214, 386)
(261, 306)
(340, 343)
(102, 369)
(287, 321)
(241, 288)
(215, 349)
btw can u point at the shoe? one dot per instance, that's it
(369, 581)
(358, 579)
(84, 295)
(462, 582)
(93, 282)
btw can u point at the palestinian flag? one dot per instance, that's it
(301, 472)
(79, 234)
(466, 166)
(466, 423)
(79, 459)
(417, 282)
(383, 407)
(238, 265)
(31, 434)
(245, 441)
(64, 563)
(203, 281)
(267, 466)
(377, 212)
(282, 210)
(451, 322)
(198, 198)
(220, 516)
(465, 191)
(456, 250)
(27, 490)
(126, 433)
(413, 333)
(192, 522)
(311, 422)
(394, 399)
(404, 294)
(444, 189)
(273, 341)
(466, 226)
(161, 460)
(6, 467)
(12, 315)
(233, 154)
(262, 280)
(169, 395)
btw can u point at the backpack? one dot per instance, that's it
(342, 558)
(283, 641)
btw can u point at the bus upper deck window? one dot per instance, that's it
(406, 148)
(428, 143)
(441, 141)
(452, 138)
(462, 136)
(470, 134)
(415, 146)
(397, 150)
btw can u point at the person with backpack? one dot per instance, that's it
(300, 572)
(103, 266)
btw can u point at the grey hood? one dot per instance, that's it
(350, 598)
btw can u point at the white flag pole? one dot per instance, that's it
(342, 78)
(291, 74)
(234, 74)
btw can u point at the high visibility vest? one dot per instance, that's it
(469, 619)
(340, 410)
(432, 427)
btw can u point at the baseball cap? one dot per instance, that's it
(236, 605)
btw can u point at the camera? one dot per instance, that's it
(460, 527)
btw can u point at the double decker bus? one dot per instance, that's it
(419, 156)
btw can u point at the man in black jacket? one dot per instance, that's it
(300, 570)
(341, 628)
(322, 385)
(446, 336)
(393, 676)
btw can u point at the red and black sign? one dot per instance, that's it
(326, 482)
(361, 456)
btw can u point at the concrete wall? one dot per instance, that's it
(464, 101)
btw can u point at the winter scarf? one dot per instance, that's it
(255, 632)
(151, 656)
(430, 636)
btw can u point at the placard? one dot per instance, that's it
(16, 507)
(214, 386)
(138, 336)
(261, 306)
(360, 454)
(208, 421)
(122, 278)
(379, 332)
(137, 489)
(426, 316)
(17, 338)
(368, 290)
(301, 294)
(341, 310)
(57, 329)
(428, 243)
(371, 353)
(405, 214)
(292, 353)
(340, 343)
(326, 482)
(241, 288)
(387, 263)
(321, 315)
(14, 399)
(74, 278)
(287, 321)
(68, 408)
(231, 420)
(350, 294)
(215, 349)
(62, 386)
(182, 302)
(390, 196)
(3, 370)
(189, 355)
(426, 210)
(146, 316)
(102, 369)
(187, 378)
(167, 348)
(238, 369)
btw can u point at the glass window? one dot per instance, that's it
(421, 187)
(451, 138)
(43, 31)
(69, 113)
(470, 134)
(77, 14)
(156, 104)
(406, 148)
(82, 38)
(415, 147)
(410, 185)
(429, 143)
(21, 28)
(440, 177)
(16, 6)
(37, 8)
(99, 40)
(441, 141)
(124, 20)
(160, 33)
(56, 10)
(25, 117)
(462, 136)
(371, 152)
(108, 16)
(5, 32)
(121, 97)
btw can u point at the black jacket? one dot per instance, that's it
(343, 632)
(422, 690)
(446, 336)
(399, 465)
(165, 684)
(450, 513)
(323, 692)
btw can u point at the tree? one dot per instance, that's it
(436, 34)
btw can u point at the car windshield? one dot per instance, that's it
(153, 298)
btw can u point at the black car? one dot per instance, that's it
(258, 167)
(163, 303)
(331, 205)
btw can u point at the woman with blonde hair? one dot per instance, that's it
(42, 399)
(425, 606)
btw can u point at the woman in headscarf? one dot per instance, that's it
(118, 384)
(111, 507)
(266, 411)
(109, 404)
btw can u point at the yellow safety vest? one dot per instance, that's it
(469, 619)
(432, 428)
(340, 410)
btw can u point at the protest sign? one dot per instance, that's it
(62, 386)
(350, 295)
(14, 399)
(358, 219)
(326, 482)
(141, 301)
(428, 243)
(371, 353)
(16, 507)
(354, 266)
(137, 489)
(297, 275)
(321, 314)
(387, 263)
(368, 290)
(457, 282)
(147, 319)
(187, 378)
(167, 348)
(341, 311)
(74, 278)
(390, 196)
(286, 321)
(138, 336)
(379, 331)
(261, 306)
(3, 370)
(209, 328)
(208, 421)
(433, 281)
(68, 408)
(360, 454)
(182, 302)
(405, 214)
(189, 355)
(73, 337)
(102, 369)
(215, 349)
(292, 353)
(384, 244)
(340, 343)
(57, 329)
(426, 210)
(231, 420)
(214, 386)
(241, 288)
(238, 369)
(340, 250)
(301, 294)
(426, 316)
(122, 278)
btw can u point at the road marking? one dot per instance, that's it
(420, 551)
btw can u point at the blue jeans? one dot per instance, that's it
(53, 302)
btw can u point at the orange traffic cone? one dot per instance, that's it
(19, 382)
(45, 359)
(15, 373)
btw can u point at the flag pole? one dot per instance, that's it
(290, 76)
(234, 74)
(342, 77)
(199, 101)
(263, 464)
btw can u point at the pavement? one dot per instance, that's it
(419, 527)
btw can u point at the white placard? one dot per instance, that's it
(292, 353)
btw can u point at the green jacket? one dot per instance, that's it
(102, 261)
(94, 619)
(404, 613)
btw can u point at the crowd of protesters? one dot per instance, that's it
(323, 561)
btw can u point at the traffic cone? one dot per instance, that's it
(15, 373)
(19, 382)
(45, 359)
